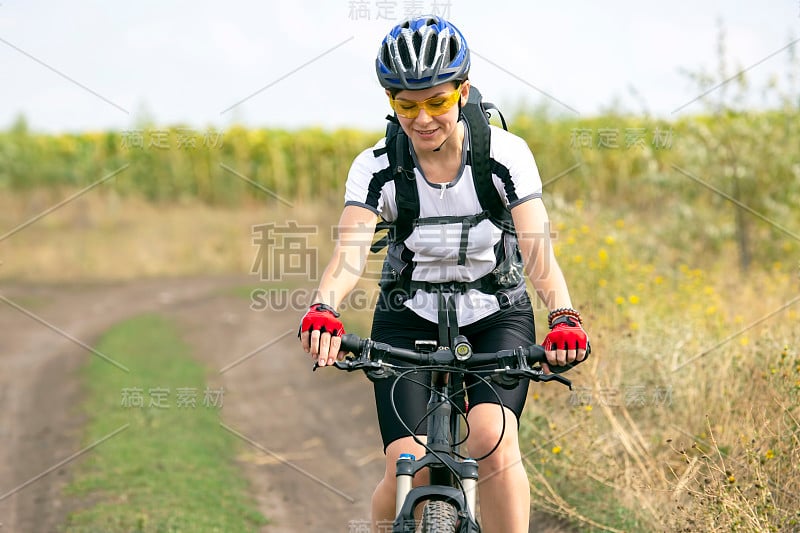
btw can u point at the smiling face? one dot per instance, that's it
(427, 133)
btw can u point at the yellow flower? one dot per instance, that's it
(619, 223)
(731, 479)
(658, 280)
(711, 309)
(634, 326)
(744, 341)
(602, 255)
(587, 408)
(578, 259)
(602, 282)
(584, 229)
(619, 300)
(556, 450)
(610, 240)
(770, 454)
(633, 299)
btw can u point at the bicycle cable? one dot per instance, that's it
(392, 390)
(477, 374)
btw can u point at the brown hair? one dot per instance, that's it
(394, 91)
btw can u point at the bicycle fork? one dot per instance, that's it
(450, 480)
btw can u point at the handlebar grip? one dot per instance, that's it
(536, 354)
(351, 343)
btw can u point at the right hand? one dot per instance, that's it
(321, 334)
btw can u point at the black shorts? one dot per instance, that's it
(400, 327)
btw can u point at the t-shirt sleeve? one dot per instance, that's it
(360, 186)
(516, 175)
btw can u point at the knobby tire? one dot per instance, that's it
(439, 517)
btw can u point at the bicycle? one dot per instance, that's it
(451, 495)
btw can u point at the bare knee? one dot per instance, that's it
(490, 437)
(393, 452)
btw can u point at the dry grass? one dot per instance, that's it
(102, 237)
(687, 417)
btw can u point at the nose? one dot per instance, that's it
(423, 117)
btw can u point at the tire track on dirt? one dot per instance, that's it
(40, 419)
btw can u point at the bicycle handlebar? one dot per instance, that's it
(512, 365)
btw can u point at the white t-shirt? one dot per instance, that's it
(436, 247)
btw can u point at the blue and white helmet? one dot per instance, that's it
(422, 52)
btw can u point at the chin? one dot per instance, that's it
(430, 143)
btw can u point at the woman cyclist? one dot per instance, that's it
(423, 64)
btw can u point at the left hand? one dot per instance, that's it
(566, 343)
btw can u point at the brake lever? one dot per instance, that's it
(373, 369)
(537, 374)
(347, 364)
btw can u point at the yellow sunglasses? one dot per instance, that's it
(434, 106)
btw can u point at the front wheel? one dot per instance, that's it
(439, 517)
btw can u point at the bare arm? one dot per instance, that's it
(533, 233)
(356, 229)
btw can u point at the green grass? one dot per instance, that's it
(172, 468)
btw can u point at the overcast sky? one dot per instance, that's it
(91, 65)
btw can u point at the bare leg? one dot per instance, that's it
(383, 499)
(503, 484)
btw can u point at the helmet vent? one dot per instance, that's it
(430, 54)
(405, 55)
(453, 48)
(417, 42)
(385, 56)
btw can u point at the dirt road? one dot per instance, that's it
(312, 452)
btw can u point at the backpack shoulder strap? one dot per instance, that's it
(480, 142)
(405, 185)
(401, 165)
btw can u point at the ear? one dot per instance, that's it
(464, 92)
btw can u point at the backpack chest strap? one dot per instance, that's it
(467, 223)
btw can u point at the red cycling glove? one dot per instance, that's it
(567, 333)
(322, 317)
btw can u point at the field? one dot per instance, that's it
(679, 241)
